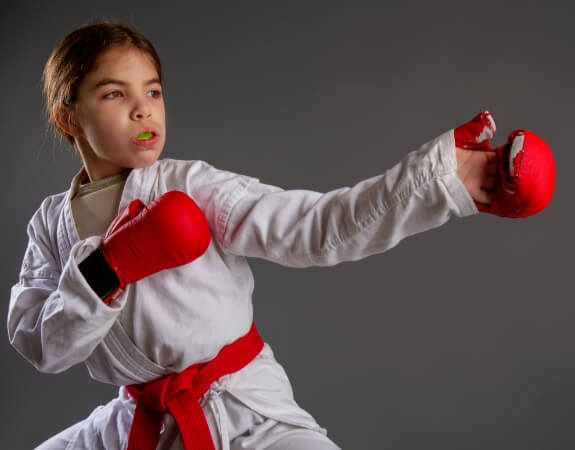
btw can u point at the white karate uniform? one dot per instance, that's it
(183, 316)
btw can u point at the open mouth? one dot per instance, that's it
(147, 135)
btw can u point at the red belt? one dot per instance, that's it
(179, 394)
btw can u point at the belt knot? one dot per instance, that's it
(156, 394)
(179, 394)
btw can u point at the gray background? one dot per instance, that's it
(461, 337)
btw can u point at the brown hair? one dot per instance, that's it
(74, 57)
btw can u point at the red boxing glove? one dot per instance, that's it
(525, 165)
(142, 240)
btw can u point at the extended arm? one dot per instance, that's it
(303, 228)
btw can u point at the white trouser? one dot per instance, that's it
(233, 425)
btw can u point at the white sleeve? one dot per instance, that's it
(299, 228)
(55, 320)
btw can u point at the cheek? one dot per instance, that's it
(102, 126)
(162, 116)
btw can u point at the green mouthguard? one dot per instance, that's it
(144, 136)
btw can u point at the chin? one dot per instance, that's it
(145, 162)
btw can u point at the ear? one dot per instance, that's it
(64, 117)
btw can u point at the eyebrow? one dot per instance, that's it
(106, 81)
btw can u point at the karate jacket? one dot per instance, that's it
(185, 315)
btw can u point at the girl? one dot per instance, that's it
(180, 343)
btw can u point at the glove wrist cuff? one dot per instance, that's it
(99, 275)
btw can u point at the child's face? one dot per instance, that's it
(118, 100)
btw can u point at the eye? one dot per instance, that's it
(155, 93)
(113, 94)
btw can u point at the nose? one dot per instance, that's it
(141, 110)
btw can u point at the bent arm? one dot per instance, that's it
(55, 320)
(300, 228)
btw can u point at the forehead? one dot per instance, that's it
(123, 62)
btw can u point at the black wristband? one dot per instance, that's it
(99, 275)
